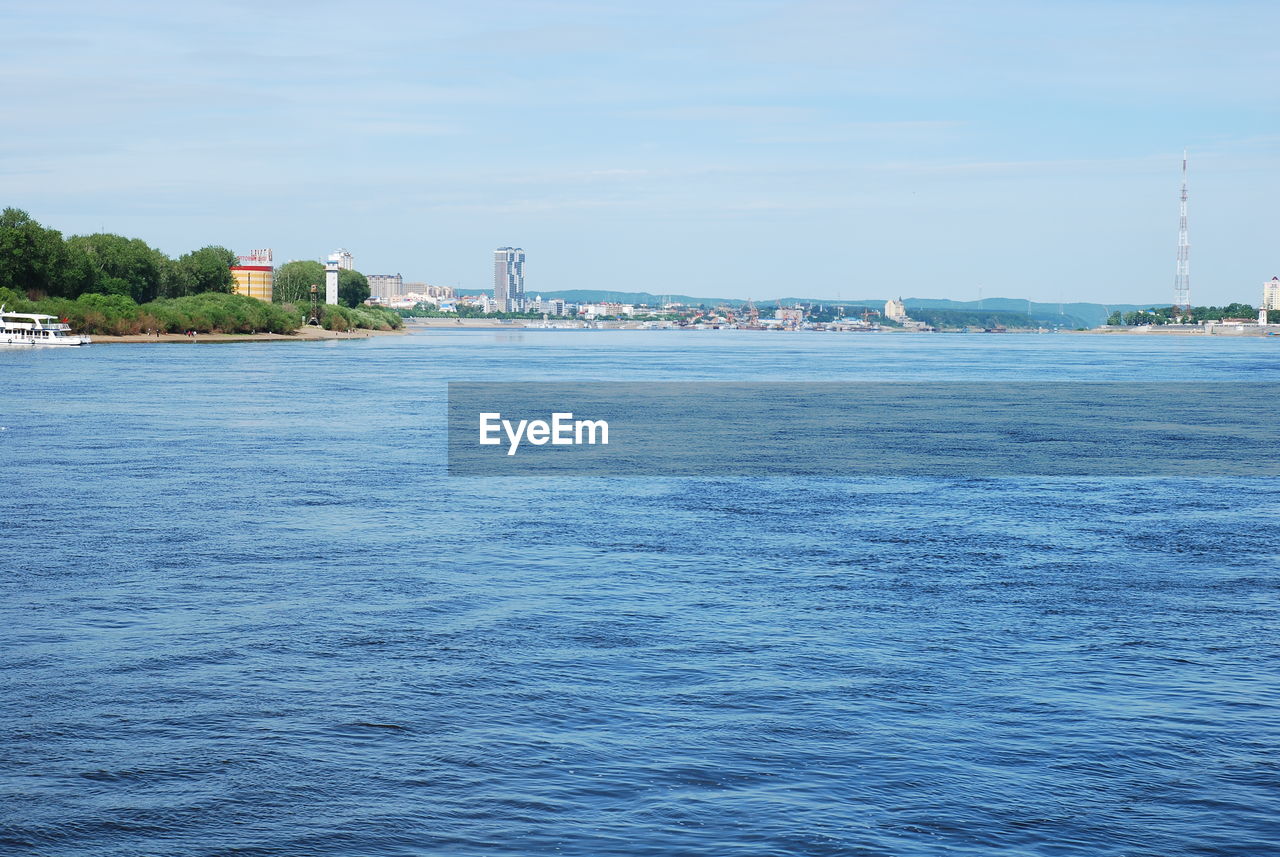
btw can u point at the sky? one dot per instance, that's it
(726, 148)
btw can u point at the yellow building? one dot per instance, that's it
(895, 310)
(254, 275)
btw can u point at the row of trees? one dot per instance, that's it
(1170, 315)
(38, 261)
(972, 318)
(110, 284)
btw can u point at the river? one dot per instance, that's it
(245, 611)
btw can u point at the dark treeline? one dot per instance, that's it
(971, 318)
(39, 262)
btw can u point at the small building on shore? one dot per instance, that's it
(895, 310)
(254, 275)
(616, 310)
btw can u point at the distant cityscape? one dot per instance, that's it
(253, 275)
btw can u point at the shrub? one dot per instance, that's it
(218, 312)
(112, 305)
(206, 312)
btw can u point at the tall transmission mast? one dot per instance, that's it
(1182, 279)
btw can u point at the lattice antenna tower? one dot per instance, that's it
(1182, 279)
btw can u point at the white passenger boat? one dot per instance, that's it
(29, 328)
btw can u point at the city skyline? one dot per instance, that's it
(746, 149)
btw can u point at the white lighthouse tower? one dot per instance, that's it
(331, 268)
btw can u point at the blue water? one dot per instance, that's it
(245, 612)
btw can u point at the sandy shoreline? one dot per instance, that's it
(305, 334)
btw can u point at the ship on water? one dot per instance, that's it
(35, 329)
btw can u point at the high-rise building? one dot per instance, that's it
(254, 275)
(895, 310)
(345, 260)
(508, 279)
(385, 287)
(1271, 294)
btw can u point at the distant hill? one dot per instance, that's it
(1075, 314)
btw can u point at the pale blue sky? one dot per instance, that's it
(752, 148)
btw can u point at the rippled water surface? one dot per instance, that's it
(244, 612)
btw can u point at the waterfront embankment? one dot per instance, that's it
(1186, 330)
(304, 334)
(524, 324)
(498, 323)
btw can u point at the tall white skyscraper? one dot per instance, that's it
(345, 260)
(1271, 294)
(508, 278)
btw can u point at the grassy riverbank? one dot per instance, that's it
(209, 313)
(307, 333)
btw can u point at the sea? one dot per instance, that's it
(244, 610)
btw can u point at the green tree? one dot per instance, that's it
(1146, 317)
(293, 282)
(79, 274)
(1239, 310)
(176, 280)
(32, 258)
(205, 270)
(353, 288)
(1115, 319)
(124, 265)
